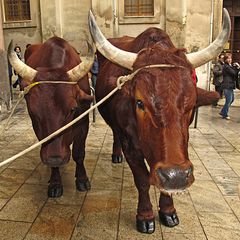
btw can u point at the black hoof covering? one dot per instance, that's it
(168, 220)
(55, 191)
(83, 186)
(117, 158)
(146, 226)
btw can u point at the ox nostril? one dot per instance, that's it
(54, 161)
(163, 176)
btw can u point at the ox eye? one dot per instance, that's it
(140, 104)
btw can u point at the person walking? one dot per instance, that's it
(218, 77)
(94, 71)
(17, 49)
(228, 84)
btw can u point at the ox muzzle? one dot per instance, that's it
(175, 178)
(55, 161)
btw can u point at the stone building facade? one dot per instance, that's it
(190, 24)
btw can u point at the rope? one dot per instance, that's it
(120, 82)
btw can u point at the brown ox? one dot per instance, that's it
(151, 114)
(52, 105)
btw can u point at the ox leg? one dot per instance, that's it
(55, 188)
(145, 219)
(117, 156)
(82, 182)
(167, 212)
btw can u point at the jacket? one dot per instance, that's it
(217, 74)
(229, 77)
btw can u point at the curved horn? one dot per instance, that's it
(112, 53)
(20, 67)
(214, 49)
(84, 67)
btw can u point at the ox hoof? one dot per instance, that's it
(55, 191)
(83, 186)
(117, 158)
(146, 226)
(168, 220)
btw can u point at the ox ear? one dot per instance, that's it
(83, 97)
(206, 97)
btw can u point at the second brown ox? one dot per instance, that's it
(53, 101)
(151, 114)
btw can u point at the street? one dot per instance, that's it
(210, 210)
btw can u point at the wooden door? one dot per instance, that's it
(233, 7)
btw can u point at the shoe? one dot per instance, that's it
(227, 118)
(220, 114)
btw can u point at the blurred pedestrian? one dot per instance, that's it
(230, 74)
(10, 74)
(94, 71)
(17, 49)
(218, 77)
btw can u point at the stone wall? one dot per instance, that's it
(66, 19)
(187, 22)
(24, 32)
(5, 95)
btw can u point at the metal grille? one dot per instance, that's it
(17, 10)
(138, 8)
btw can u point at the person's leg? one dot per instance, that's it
(221, 91)
(232, 97)
(216, 102)
(94, 80)
(16, 83)
(228, 100)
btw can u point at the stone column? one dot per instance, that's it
(5, 94)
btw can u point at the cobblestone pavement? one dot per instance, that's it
(209, 210)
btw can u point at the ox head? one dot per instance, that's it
(52, 105)
(163, 100)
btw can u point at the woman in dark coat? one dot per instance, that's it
(218, 77)
(229, 84)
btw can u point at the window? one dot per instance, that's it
(17, 10)
(139, 11)
(138, 8)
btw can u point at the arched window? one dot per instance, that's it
(16, 10)
(138, 7)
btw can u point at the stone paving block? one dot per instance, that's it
(207, 197)
(189, 222)
(99, 216)
(200, 172)
(55, 222)
(13, 230)
(41, 175)
(108, 178)
(11, 180)
(234, 203)
(25, 204)
(224, 226)
(179, 236)
(26, 163)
